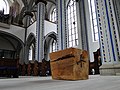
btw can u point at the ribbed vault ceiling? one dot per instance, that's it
(28, 6)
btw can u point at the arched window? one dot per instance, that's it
(4, 6)
(94, 19)
(31, 52)
(54, 46)
(72, 24)
(53, 15)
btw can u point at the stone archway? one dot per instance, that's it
(47, 42)
(30, 44)
(12, 43)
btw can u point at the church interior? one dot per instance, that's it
(33, 31)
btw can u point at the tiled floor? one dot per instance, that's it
(94, 82)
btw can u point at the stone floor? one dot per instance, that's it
(95, 82)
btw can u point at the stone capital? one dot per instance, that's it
(43, 1)
(28, 13)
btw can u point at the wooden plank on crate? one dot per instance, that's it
(69, 64)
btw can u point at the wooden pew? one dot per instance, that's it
(8, 67)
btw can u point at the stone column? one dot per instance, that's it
(109, 38)
(61, 25)
(26, 20)
(83, 25)
(116, 5)
(39, 53)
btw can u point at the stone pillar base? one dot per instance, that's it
(110, 69)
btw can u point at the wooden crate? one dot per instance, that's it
(69, 64)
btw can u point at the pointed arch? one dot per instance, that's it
(30, 48)
(49, 44)
(14, 43)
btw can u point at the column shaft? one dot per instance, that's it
(40, 31)
(83, 25)
(61, 25)
(26, 24)
(109, 38)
